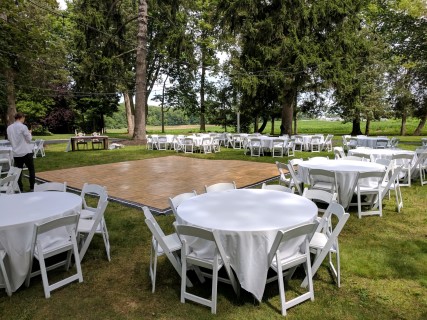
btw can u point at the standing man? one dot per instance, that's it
(20, 138)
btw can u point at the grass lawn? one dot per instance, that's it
(383, 264)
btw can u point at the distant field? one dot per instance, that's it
(387, 128)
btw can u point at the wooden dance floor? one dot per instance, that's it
(151, 181)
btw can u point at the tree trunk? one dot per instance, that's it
(10, 93)
(264, 124)
(129, 112)
(295, 116)
(420, 126)
(163, 105)
(202, 95)
(272, 126)
(288, 111)
(368, 126)
(141, 73)
(256, 124)
(403, 124)
(356, 126)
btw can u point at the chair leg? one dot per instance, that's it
(5, 277)
(281, 288)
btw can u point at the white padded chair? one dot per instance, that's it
(162, 244)
(215, 263)
(321, 198)
(206, 146)
(421, 167)
(286, 265)
(178, 199)
(284, 175)
(339, 153)
(236, 141)
(39, 148)
(6, 159)
(327, 144)
(406, 166)
(89, 227)
(6, 184)
(276, 187)
(323, 180)
(325, 241)
(51, 186)
(221, 186)
(382, 143)
(42, 249)
(316, 144)
(162, 143)
(295, 180)
(4, 275)
(255, 147)
(289, 148)
(374, 192)
(188, 145)
(278, 145)
(95, 191)
(15, 172)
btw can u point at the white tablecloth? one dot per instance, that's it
(347, 171)
(370, 142)
(248, 221)
(18, 214)
(384, 154)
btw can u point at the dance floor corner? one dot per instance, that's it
(151, 182)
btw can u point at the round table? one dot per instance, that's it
(346, 172)
(247, 221)
(18, 214)
(375, 154)
(370, 142)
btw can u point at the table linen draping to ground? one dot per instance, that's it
(18, 214)
(346, 171)
(247, 221)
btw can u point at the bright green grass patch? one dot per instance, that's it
(383, 264)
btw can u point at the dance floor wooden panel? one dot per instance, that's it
(151, 181)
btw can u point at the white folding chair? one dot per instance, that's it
(188, 145)
(6, 184)
(406, 166)
(295, 181)
(321, 179)
(236, 141)
(421, 166)
(328, 143)
(321, 198)
(221, 186)
(391, 182)
(316, 144)
(325, 240)
(374, 192)
(162, 143)
(89, 227)
(276, 187)
(4, 275)
(289, 148)
(6, 158)
(339, 153)
(382, 143)
(255, 147)
(39, 148)
(206, 145)
(178, 199)
(92, 191)
(298, 142)
(51, 186)
(42, 249)
(162, 244)
(286, 265)
(215, 263)
(284, 175)
(15, 172)
(278, 145)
